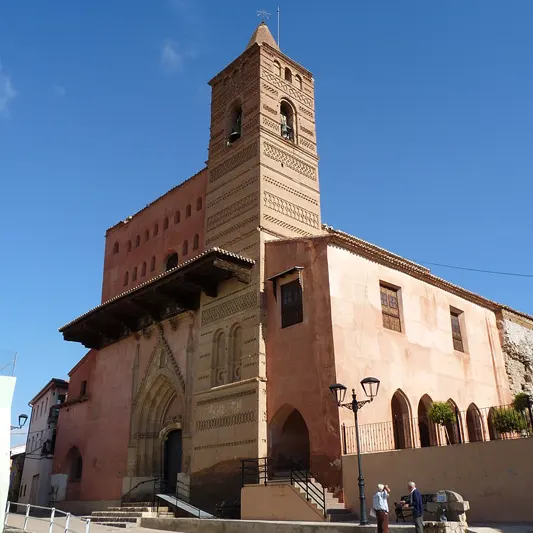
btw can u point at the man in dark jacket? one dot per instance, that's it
(417, 506)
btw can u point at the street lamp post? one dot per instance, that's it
(371, 388)
(22, 421)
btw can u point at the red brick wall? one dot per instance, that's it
(300, 358)
(161, 242)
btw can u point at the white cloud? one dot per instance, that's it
(59, 90)
(172, 58)
(7, 92)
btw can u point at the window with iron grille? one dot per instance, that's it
(291, 304)
(390, 308)
(457, 336)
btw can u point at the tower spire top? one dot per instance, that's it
(262, 35)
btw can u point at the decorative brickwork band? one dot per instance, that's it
(291, 210)
(233, 162)
(231, 192)
(232, 211)
(299, 194)
(226, 421)
(294, 163)
(284, 225)
(229, 308)
(289, 89)
(232, 396)
(216, 238)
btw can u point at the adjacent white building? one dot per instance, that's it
(35, 485)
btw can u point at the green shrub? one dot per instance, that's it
(508, 420)
(441, 413)
(521, 401)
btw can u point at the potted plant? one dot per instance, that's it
(508, 420)
(442, 413)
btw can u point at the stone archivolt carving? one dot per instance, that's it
(294, 163)
(289, 89)
(232, 211)
(268, 179)
(233, 162)
(291, 210)
(245, 417)
(229, 308)
(284, 225)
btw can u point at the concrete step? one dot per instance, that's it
(123, 525)
(113, 518)
(138, 504)
(341, 515)
(131, 509)
(123, 514)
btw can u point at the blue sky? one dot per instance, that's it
(425, 126)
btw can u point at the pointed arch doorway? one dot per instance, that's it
(172, 458)
(290, 439)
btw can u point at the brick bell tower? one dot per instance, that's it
(262, 185)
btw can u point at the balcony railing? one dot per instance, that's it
(474, 425)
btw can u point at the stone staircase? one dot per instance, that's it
(129, 515)
(335, 509)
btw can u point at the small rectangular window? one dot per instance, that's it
(291, 304)
(457, 335)
(83, 390)
(390, 308)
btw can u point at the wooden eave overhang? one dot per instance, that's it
(160, 298)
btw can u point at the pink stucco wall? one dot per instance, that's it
(420, 360)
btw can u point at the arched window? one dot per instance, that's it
(287, 121)
(235, 124)
(188, 211)
(426, 428)
(76, 465)
(137, 241)
(277, 68)
(146, 234)
(165, 224)
(126, 278)
(401, 421)
(134, 275)
(199, 204)
(177, 217)
(185, 248)
(196, 242)
(156, 229)
(288, 74)
(172, 262)
(298, 82)
(235, 354)
(453, 429)
(115, 248)
(474, 424)
(219, 369)
(143, 271)
(152, 264)
(129, 246)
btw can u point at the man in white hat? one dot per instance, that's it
(380, 506)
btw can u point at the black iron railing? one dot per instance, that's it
(265, 470)
(131, 496)
(474, 425)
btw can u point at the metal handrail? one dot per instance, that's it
(303, 478)
(153, 480)
(53, 512)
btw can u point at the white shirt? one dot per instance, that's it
(380, 502)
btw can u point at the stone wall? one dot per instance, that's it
(494, 477)
(516, 334)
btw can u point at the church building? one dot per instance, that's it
(228, 309)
